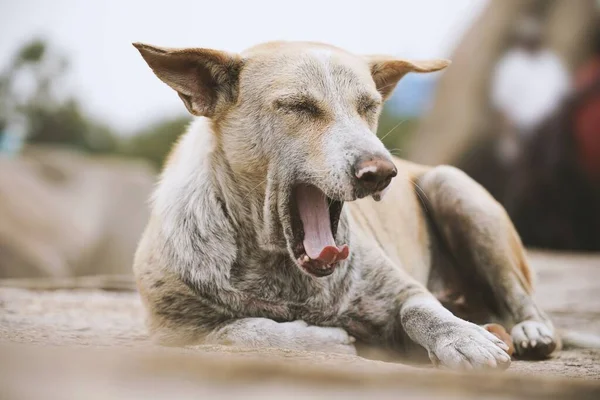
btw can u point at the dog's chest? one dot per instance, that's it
(276, 279)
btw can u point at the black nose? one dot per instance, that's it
(374, 173)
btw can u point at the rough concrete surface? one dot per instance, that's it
(92, 343)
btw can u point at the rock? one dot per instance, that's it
(64, 213)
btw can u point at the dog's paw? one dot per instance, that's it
(330, 340)
(468, 346)
(499, 331)
(319, 338)
(533, 340)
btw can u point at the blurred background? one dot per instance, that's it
(85, 125)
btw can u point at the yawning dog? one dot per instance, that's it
(281, 220)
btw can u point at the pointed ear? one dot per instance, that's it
(387, 71)
(205, 79)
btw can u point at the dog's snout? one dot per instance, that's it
(374, 174)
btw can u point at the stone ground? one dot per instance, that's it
(89, 343)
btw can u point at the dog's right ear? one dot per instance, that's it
(205, 79)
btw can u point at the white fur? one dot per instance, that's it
(322, 54)
(193, 164)
(186, 189)
(296, 335)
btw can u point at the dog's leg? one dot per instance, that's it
(387, 305)
(489, 256)
(177, 316)
(296, 335)
(255, 333)
(450, 341)
(186, 322)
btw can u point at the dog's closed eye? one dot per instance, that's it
(299, 105)
(367, 106)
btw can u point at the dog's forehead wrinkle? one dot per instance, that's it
(321, 68)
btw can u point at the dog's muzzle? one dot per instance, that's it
(373, 175)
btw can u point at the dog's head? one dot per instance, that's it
(300, 118)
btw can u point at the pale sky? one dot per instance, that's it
(114, 83)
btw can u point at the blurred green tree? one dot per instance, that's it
(47, 115)
(52, 117)
(395, 131)
(154, 142)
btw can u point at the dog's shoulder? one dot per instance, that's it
(398, 222)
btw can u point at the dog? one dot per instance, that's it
(281, 220)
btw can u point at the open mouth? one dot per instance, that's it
(315, 219)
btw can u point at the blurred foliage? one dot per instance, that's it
(51, 117)
(32, 52)
(154, 142)
(66, 124)
(48, 118)
(395, 131)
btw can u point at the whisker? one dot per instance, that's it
(252, 190)
(396, 152)
(422, 195)
(387, 86)
(391, 130)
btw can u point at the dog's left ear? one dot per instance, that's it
(205, 79)
(387, 71)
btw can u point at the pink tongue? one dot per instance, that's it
(318, 239)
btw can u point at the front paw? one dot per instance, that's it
(467, 346)
(533, 340)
